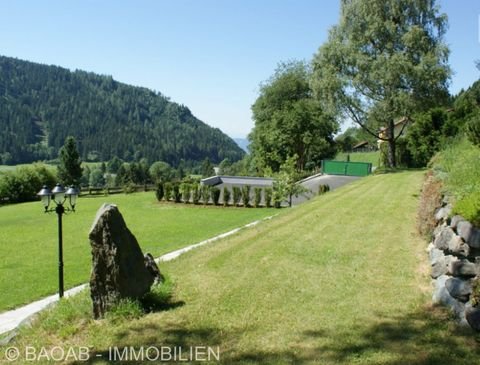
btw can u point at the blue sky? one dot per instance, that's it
(210, 55)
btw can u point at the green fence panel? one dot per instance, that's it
(334, 167)
(346, 168)
(358, 168)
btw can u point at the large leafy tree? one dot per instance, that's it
(161, 171)
(426, 136)
(69, 170)
(386, 59)
(288, 121)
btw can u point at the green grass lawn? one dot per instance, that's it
(342, 279)
(372, 157)
(29, 243)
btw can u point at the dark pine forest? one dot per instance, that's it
(41, 105)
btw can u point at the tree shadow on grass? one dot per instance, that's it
(156, 337)
(424, 337)
(428, 336)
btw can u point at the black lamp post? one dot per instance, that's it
(59, 196)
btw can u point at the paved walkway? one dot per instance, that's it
(10, 320)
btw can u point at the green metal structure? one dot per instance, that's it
(346, 168)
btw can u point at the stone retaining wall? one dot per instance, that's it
(455, 265)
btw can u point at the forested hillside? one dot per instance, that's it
(40, 105)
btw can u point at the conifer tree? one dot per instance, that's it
(69, 170)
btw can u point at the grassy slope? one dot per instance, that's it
(28, 238)
(339, 280)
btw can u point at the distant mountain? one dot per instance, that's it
(243, 143)
(41, 105)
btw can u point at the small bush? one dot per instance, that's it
(226, 196)
(268, 197)
(196, 193)
(322, 189)
(177, 196)
(168, 188)
(246, 195)
(205, 194)
(258, 197)
(129, 188)
(237, 195)
(159, 191)
(469, 208)
(186, 190)
(280, 193)
(215, 195)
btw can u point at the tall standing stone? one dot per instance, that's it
(118, 265)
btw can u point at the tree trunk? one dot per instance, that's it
(392, 160)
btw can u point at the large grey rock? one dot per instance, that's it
(455, 220)
(152, 267)
(449, 261)
(443, 238)
(438, 229)
(435, 254)
(472, 315)
(443, 213)
(441, 296)
(459, 289)
(457, 247)
(464, 268)
(469, 233)
(118, 265)
(438, 263)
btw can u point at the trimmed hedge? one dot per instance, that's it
(258, 197)
(268, 197)
(226, 196)
(159, 191)
(246, 195)
(215, 193)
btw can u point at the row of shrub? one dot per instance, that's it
(196, 193)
